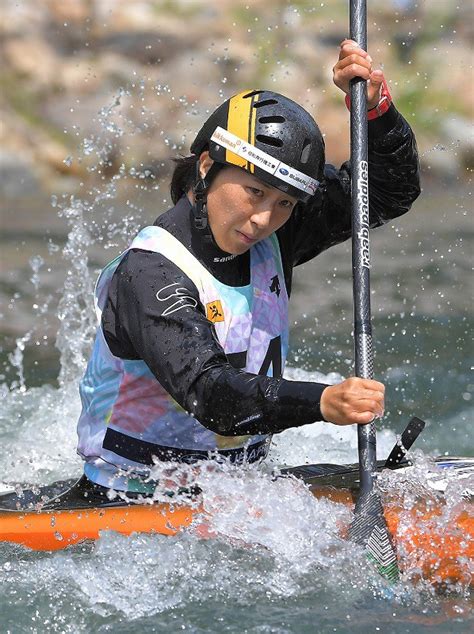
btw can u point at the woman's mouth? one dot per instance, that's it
(245, 238)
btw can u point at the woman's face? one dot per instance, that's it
(242, 209)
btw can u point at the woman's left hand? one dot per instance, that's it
(355, 62)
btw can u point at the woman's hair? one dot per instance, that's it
(184, 176)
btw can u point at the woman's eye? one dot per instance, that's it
(288, 204)
(255, 191)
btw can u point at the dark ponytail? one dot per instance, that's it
(184, 176)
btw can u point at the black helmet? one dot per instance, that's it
(270, 136)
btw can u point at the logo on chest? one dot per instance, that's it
(275, 286)
(214, 311)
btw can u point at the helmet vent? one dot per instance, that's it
(269, 140)
(305, 151)
(252, 94)
(265, 102)
(274, 119)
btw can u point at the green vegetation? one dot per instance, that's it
(181, 9)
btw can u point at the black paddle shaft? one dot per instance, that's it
(364, 355)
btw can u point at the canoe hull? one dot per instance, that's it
(55, 530)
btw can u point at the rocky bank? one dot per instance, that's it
(93, 88)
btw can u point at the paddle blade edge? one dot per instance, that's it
(369, 530)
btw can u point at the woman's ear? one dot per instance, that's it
(205, 163)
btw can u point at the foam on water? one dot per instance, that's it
(141, 576)
(270, 542)
(38, 434)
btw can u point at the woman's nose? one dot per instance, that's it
(262, 217)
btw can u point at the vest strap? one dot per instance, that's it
(143, 452)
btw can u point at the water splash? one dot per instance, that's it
(432, 530)
(40, 307)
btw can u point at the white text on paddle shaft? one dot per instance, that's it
(363, 204)
(175, 290)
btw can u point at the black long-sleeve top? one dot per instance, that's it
(182, 349)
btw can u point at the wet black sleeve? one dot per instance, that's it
(154, 313)
(393, 187)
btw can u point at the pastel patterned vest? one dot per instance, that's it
(128, 420)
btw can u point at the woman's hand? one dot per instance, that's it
(355, 62)
(353, 401)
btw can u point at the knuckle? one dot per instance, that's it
(347, 397)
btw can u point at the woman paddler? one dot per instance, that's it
(193, 317)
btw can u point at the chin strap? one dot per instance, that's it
(200, 189)
(200, 201)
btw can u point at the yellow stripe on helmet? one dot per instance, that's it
(253, 121)
(241, 122)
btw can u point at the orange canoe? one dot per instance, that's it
(428, 542)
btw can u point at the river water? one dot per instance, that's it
(284, 569)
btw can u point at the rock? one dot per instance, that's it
(121, 16)
(25, 18)
(459, 133)
(17, 177)
(79, 76)
(145, 47)
(116, 69)
(334, 124)
(442, 163)
(65, 60)
(73, 12)
(32, 57)
(83, 117)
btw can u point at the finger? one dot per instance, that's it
(362, 388)
(350, 47)
(367, 400)
(349, 43)
(368, 405)
(374, 87)
(376, 79)
(348, 40)
(354, 58)
(344, 75)
(364, 418)
(372, 384)
(359, 418)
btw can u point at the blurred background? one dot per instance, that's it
(98, 95)
(65, 60)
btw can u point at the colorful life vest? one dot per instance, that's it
(129, 420)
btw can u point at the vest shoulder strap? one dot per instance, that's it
(158, 240)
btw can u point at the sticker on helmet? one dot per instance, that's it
(264, 161)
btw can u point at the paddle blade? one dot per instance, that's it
(369, 529)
